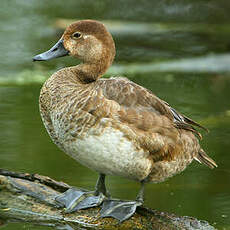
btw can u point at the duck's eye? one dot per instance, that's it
(77, 35)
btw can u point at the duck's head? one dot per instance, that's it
(87, 40)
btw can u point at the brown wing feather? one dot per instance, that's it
(155, 125)
(138, 100)
(149, 121)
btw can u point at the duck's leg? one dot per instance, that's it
(140, 195)
(75, 199)
(122, 210)
(100, 186)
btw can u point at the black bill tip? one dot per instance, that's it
(37, 58)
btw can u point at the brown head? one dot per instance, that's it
(87, 40)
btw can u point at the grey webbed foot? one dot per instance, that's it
(118, 209)
(75, 199)
(122, 210)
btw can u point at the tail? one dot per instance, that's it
(202, 157)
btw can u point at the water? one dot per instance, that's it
(177, 49)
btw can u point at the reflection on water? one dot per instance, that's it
(27, 28)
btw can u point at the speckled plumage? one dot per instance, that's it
(114, 126)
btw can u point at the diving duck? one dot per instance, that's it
(111, 125)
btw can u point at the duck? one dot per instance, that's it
(111, 125)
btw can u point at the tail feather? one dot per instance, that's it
(202, 157)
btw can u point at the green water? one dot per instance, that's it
(178, 49)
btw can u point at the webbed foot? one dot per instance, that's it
(122, 210)
(75, 199)
(118, 209)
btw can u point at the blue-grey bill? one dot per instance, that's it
(58, 50)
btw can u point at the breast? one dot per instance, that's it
(110, 153)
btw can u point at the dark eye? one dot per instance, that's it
(77, 35)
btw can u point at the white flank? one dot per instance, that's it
(110, 153)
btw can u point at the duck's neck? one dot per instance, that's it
(88, 72)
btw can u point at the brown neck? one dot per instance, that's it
(89, 72)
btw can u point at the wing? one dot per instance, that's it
(142, 108)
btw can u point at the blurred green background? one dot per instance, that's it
(179, 49)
